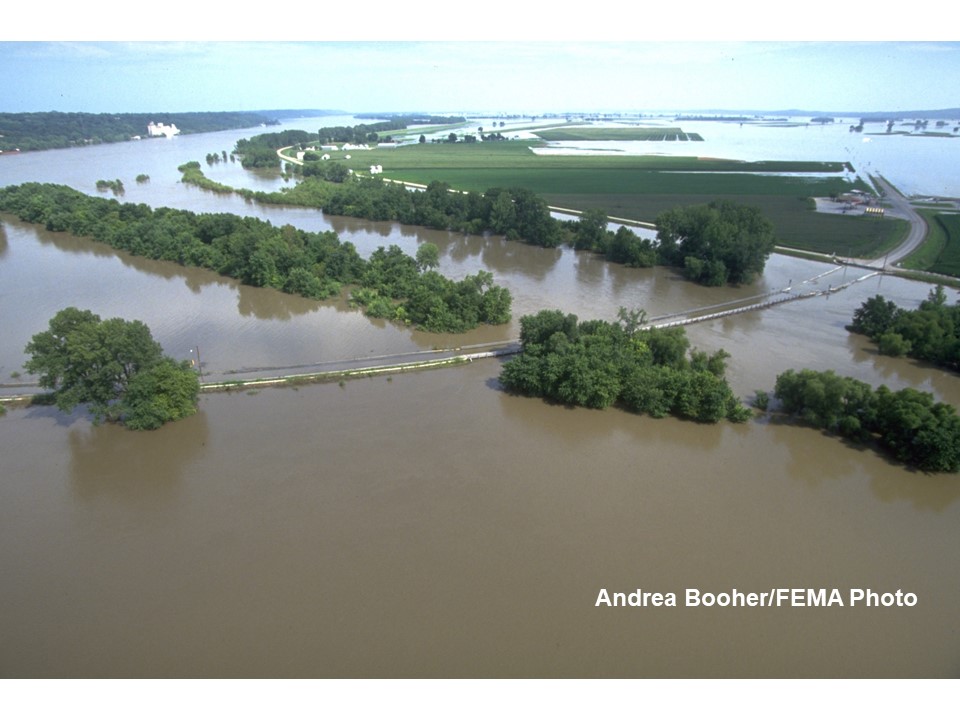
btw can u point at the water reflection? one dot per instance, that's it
(810, 456)
(351, 226)
(457, 247)
(3, 240)
(66, 242)
(818, 458)
(134, 468)
(270, 304)
(581, 428)
(591, 268)
(924, 492)
(504, 257)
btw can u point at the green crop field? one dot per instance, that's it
(639, 187)
(422, 162)
(940, 253)
(949, 261)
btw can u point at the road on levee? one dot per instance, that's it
(900, 207)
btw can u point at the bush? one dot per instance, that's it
(761, 400)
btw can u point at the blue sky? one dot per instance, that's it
(132, 71)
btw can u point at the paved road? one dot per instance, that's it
(901, 208)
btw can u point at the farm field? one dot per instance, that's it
(420, 162)
(639, 187)
(796, 225)
(941, 251)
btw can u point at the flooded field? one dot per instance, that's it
(429, 524)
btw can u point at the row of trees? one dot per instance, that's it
(908, 423)
(515, 212)
(370, 132)
(722, 242)
(623, 246)
(597, 363)
(714, 244)
(363, 133)
(930, 332)
(114, 367)
(261, 150)
(257, 253)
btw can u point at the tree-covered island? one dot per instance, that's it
(597, 363)
(390, 284)
(930, 332)
(908, 424)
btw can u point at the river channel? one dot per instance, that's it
(429, 524)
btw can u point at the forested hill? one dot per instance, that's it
(46, 130)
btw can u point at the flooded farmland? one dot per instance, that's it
(429, 524)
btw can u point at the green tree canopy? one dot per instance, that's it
(315, 265)
(106, 363)
(908, 423)
(716, 243)
(596, 364)
(163, 393)
(428, 256)
(930, 332)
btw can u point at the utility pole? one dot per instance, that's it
(199, 364)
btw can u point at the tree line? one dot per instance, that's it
(714, 244)
(315, 265)
(597, 363)
(48, 130)
(261, 150)
(930, 332)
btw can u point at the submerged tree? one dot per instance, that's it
(114, 367)
(596, 364)
(716, 243)
(908, 423)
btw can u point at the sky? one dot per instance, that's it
(524, 64)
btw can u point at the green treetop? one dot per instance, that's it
(113, 366)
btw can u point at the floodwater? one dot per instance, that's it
(429, 524)
(916, 164)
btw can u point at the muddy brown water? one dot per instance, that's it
(430, 525)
